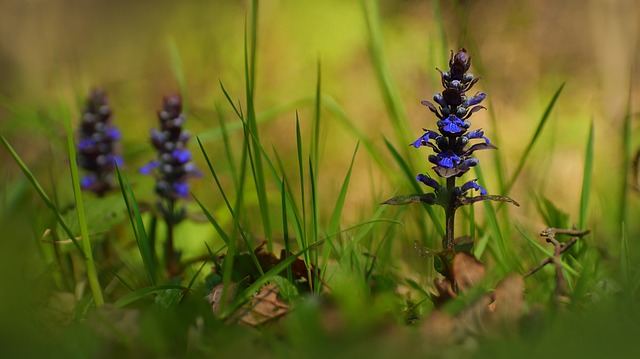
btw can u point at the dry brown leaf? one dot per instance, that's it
(215, 297)
(264, 307)
(509, 303)
(467, 271)
(438, 328)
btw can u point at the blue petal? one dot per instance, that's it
(477, 134)
(86, 143)
(452, 124)
(113, 133)
(88, 181)
(448, 159)
(429, 135)
(475, 99)
(428, 181)
(149, 167)
(181, 188)
(181, 155)
(473, 185)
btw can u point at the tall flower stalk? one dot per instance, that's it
(98, 146)
(453, 144)
(172, 169)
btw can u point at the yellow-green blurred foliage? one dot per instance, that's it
(52, 51)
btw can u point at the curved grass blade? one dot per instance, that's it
(145, 247)
(144, 292)
(407, 172)
(585, 195)
(92, 273)
(36, 185)
(536, 135)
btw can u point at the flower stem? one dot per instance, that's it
(170, 253)
(450, 215)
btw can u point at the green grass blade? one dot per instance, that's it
(303, 203)
(178, 72)
(334, 222)
(338, 113)
(251, 44)
(36, 185)
(585, 195)
(625, 259)
(147, 251)
(213, 222)
(231, 210)
(503, 255)
(285, 228)
(315, 126)
(144, 292)
(92, 273)
(255, 286)
(536, 135)
(626, 159)
(390, 94)
(404, 166)
(315, 214)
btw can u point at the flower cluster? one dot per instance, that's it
(173, 166)
(98, 147)
(451, 141)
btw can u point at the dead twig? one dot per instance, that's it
(550, 233)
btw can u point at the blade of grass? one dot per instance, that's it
(178, 72)
(314, 227)
(285, 228)
(231, 210)
(213, 222)
(144, 292)
(536, 135)
(133, 210)
(257, 166)
(390, 94)
(585, 195)
(416, 187)
(626, 158)
(92, 273)
(36, 185)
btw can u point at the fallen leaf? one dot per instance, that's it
(467, 271)
(264, 307)
(509, 303)
(215, 296)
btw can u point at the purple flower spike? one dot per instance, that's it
(172, 166)
(98, 145)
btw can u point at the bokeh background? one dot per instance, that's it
(53, 52)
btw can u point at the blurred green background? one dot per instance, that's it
(53, 52)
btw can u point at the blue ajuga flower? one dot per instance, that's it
(98, 145)
(451, 141)
(172, 166)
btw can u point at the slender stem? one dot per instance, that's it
(450, 215)
(170, 254)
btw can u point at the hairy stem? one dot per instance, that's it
(450, 215)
